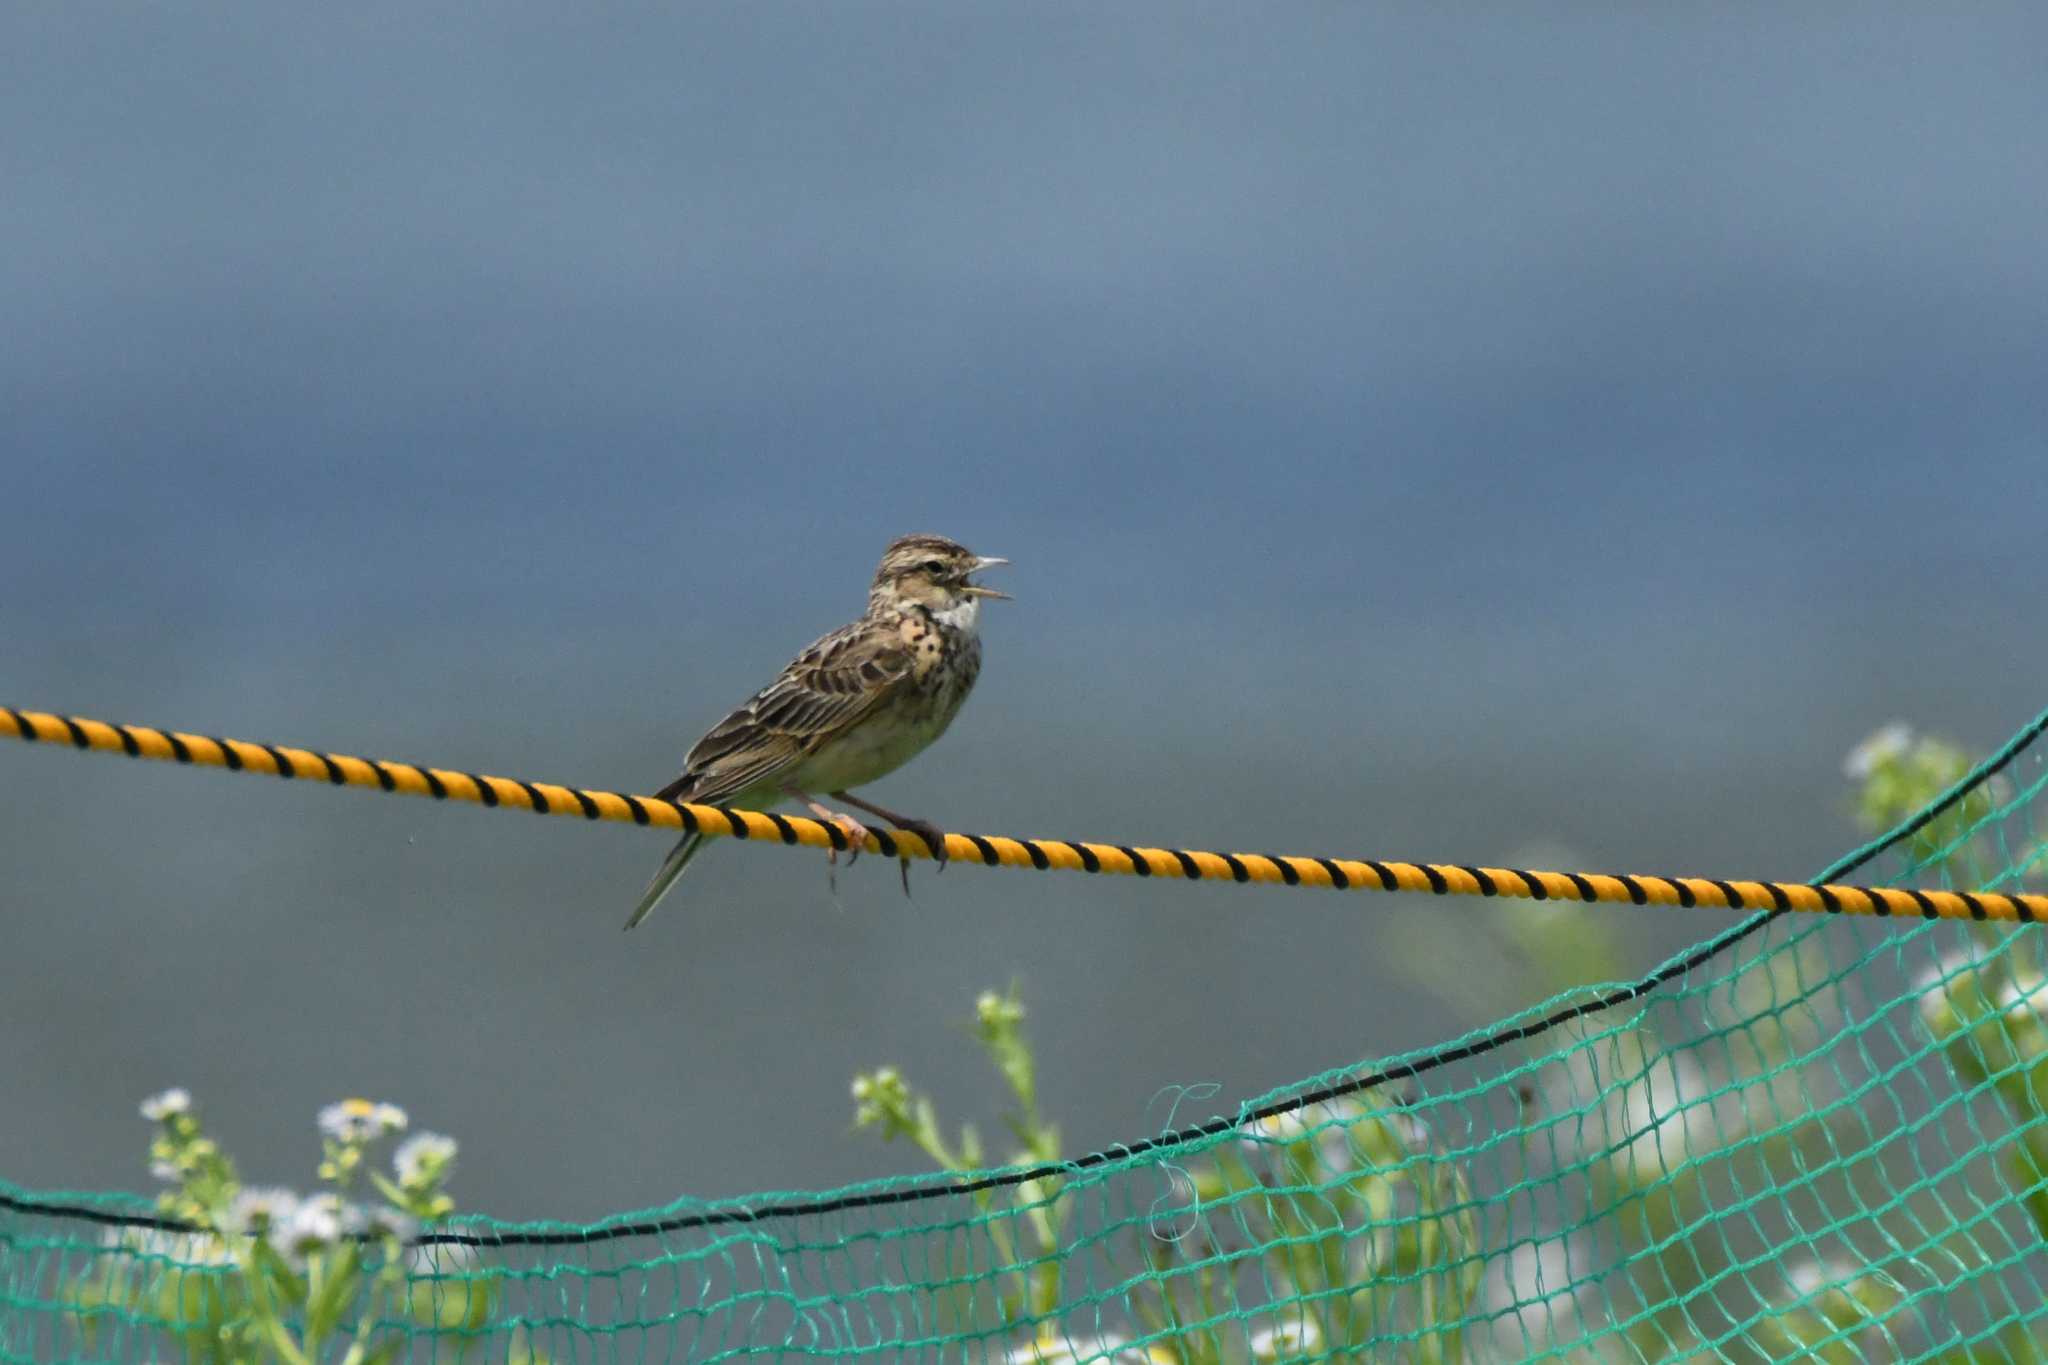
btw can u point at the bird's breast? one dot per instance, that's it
(942, 674)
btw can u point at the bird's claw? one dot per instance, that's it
(934, 839)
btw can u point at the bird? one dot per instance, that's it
(854, 706)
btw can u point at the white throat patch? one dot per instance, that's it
(961, 616)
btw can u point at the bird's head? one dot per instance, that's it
(931, 572)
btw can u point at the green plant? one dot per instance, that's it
(247, 1275)
(1339, 1201)
(1329, 1231)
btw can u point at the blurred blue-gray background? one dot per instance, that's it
(1482, 435)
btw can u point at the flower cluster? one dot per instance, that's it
(1987, 1015)
(1899, 771)
(208, 1195)
(297, 1266)
(999, 1024)
(359, 1121)
(1053, 1348)
(181, 1155)
(881, 1099)
(347, 1129)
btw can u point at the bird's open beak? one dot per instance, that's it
(975, 589)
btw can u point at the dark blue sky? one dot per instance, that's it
(1418, 434)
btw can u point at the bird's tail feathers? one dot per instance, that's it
(671, 868)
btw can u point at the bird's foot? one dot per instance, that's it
(934, 838)
(856, 836)
(856, 833)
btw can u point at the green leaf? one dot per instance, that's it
(524, 1352)
(386, 1353)
(451, 1304)
(284, 1281)
(334, 1291)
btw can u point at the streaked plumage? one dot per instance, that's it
(853, 707)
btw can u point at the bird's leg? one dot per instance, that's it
(856, 833)
(934, 837)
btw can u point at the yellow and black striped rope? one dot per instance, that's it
(1443, 879)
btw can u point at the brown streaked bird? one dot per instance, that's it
(854, 707)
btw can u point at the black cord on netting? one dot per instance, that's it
(1215, 1127)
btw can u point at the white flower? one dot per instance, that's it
(168, 1104)
(167, 1171)
(422, 1157)
(879, 1096)
(994, 1011)
(2020, 1002)
(1809, 1278)
(1286, 1126)
(1664, 1116)
(1645, 1109)
(1347, 1135)
(177, 1248)
(870, 1084)
(1953, 973)
(360, 1120)
(384, 1221)
(2022, 996)
(316, 1223)
(1883, 746)
(1844, 1295)
(1287, 1341)
(432, 1260)
(1533, 1293)
(262, 1212)
(1055, 1348)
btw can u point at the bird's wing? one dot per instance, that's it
(827, 689)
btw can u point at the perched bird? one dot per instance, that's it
(855, 706)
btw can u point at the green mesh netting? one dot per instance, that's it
(1813, 1138)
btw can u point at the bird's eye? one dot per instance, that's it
(934, 567)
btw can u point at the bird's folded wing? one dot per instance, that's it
(825, 691)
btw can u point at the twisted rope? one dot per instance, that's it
(994, 850)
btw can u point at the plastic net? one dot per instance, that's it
(1810, 1138)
